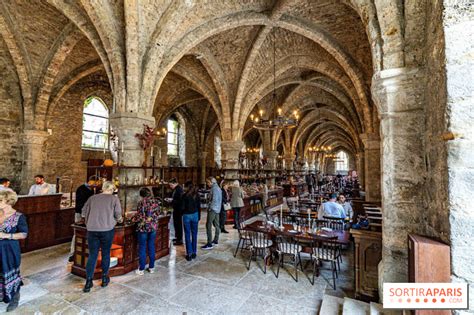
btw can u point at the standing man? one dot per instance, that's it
(177, 203)
(83, 193)
(5, 184)
(40, 187)
(215, 203)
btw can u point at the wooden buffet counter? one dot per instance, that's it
(48, 223)
(253, 205)
(124, 248)
(297, 189)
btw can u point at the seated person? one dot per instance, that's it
(5, 184)
(40, 187)
(331, 209)
(341, 199)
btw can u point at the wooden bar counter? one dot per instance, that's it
(252, 205)
(124, 248)
(48, 223)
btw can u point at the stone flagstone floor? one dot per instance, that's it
(214, 283)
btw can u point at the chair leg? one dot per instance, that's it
(301, 263)
(314, 269)
(295, 257)
(265, 257)
(237, 249)
(333, 277)
(250, 259)
(279, 263)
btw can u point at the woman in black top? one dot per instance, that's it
(191, 207)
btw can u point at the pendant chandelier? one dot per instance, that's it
(161, 134)
(278, 121)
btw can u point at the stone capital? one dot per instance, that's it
(271, 154)
(398, 90)
(34, 137)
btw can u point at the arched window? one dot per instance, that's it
(95, 124)
(173, 137)
(217, 150)
(342, 162)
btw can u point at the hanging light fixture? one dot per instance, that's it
(278, 121)
(161, 134)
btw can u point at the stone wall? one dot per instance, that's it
(10, 120)
(458, 21)
(63, 152)
(435, 212)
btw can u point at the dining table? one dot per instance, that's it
(305, 234)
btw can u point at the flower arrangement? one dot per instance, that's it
(146, 137)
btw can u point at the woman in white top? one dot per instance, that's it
(236, 201)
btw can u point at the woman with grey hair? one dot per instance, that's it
(13, 227)
(236, 201)
(101, 212)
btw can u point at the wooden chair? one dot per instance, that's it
(336, 224)
(289, 246)
(244, 239)
(260, 246)
(325, 250)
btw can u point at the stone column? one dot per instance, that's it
(202, 164)
(230, 157)
(372, 166)
(289, 158)
(271, 165)
(127, 125)
(271, 158)
(398, 94)
(361, 168)
(33, 141)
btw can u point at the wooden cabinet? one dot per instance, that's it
(367, 255)
(48, 224)
(428, 261)
(124, 248)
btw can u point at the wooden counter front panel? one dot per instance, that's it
(367, 255)
(48, 224)
(125, 242)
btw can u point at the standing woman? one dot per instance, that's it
(191, 208)
(148, 214)
(13, 227)
(223, 213)
(236, 202)
(101, 212)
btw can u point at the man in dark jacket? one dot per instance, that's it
(177, 204)
(83, 193)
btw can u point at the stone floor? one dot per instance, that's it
(214, 283)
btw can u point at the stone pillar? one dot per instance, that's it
(127, 125)
(361, 168)
(202, 164)
(230, 157)
(271, 165)
(271, 158)
(33, 141)
(398, 94)
(372, 166)
(289, 158)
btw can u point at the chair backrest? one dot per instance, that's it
(258, 238)
(334, 223)
(325, 248)
(287, 243)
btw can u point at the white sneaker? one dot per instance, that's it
(151, 270)
(139, 272)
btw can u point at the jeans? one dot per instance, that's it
(236, 216)
(146, 243)
(191, 222)
(212, 220)
(178, 225)
(96, 240)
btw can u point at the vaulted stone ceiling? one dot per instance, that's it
(213, 57)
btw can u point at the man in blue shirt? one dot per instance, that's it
(332, 209)
(215, 202)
